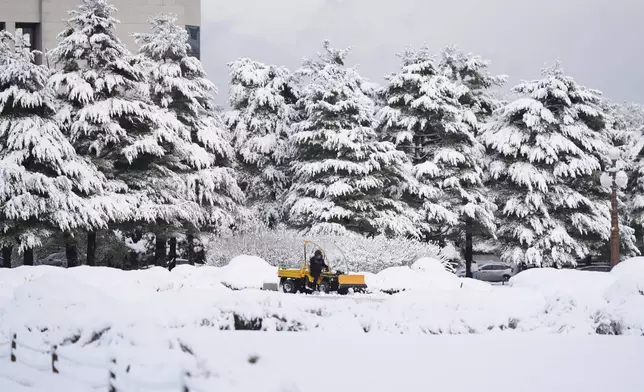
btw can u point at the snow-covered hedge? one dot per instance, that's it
(349, 253)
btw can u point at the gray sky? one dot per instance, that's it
(600, 42)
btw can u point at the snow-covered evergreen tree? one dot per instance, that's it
(179, 84)
(262, 98)
(548, 144)
(632, 119)
(475, 82)
(44, 185)
(631, 115)
(344, 178)
(109, 116)
(622, 123)
(475, 86)
(425, 119)
(620, 135)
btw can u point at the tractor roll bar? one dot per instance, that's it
(306, 260)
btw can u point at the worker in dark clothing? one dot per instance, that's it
(317, 266)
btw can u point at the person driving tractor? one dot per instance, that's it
(317, 266)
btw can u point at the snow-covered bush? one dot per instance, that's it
(425, 274)
(344, 252)
(245, 272)
(628, 279)
(550, 281)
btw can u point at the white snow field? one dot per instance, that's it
(540, 333)
(313, 362)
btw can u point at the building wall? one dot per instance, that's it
(12, 11)
(192, 12)
(133, 15)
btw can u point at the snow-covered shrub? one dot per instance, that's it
(628, 279)
(247, 272)
(350, 252)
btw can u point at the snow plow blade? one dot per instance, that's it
(351, 280)
(270, 287)
(355, 282)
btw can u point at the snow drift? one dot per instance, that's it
(87, 304)
(247, 272)
(628, 279)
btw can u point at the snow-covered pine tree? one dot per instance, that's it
(425, 119)
(475, 89)
(344, 178)
(262, 98)
(547, 144)
(632, 115)
(179, 84)
(7, 249)
(110, 117)
(621, 123)
(632, 119)
(377, 93)
(620, 135)
(637, 198)
(44, 185)
(470, 73)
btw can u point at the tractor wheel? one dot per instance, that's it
(324, 286)
(343, 291)
(289, 286)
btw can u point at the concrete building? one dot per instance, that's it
(42, 20)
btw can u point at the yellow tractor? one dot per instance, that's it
(294, 280)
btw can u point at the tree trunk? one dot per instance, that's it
(6, 256)
(469, 253)
(133, 261)
(28, 257)
(191, 248)
(200, 257)
(172, 264)
(173, 248)
(133, 256)
(614, 235)
(91, 248)
(159, 251)
(71, 250)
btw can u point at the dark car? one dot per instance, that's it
(595, 268)
(55, 260)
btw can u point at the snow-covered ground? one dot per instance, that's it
(162, 323)
(312, 362)
(83, 300)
